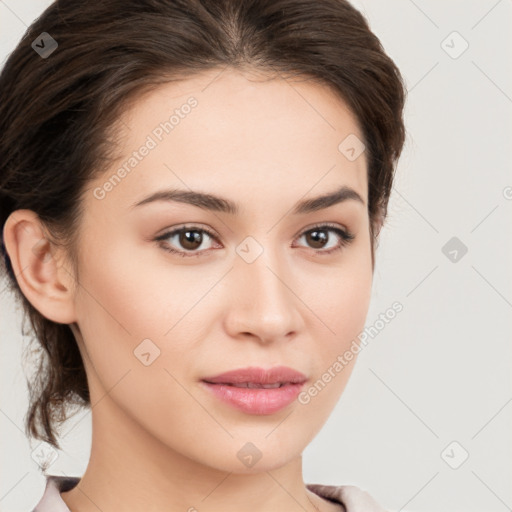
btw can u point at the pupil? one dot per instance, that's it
(319, 238)
(191, 239)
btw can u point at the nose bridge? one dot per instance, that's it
(263, 268)
(265, 302)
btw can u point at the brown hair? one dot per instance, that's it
(58, 114)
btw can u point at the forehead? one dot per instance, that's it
(236, 134)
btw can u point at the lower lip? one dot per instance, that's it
(256, 400)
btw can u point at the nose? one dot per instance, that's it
(263, 304)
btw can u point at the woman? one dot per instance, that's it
(191, 197)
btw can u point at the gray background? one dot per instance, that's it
(439, 372)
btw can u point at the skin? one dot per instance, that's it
(160, 441)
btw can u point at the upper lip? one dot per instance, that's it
(257, 375)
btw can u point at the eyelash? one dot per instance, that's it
(345, 236)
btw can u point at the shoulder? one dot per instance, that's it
(353, 498)
(51, 500)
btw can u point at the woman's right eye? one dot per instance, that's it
(190, 238)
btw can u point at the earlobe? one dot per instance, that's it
(41, 277)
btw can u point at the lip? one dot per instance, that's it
(257, 400)
(258, 375)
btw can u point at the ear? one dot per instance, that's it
(39, 267)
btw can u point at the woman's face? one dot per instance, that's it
(263, 289)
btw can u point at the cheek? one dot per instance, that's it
(341, 302)
(124, 313)
(340, 295)
(129, 294)
(133, 312)
(349, 299)
(342, 307)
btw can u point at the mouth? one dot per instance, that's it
(256, 391)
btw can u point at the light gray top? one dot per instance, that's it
(352, 498)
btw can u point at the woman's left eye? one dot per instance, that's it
(318, 235)
(191, 238)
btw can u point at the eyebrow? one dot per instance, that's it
(220, 204)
